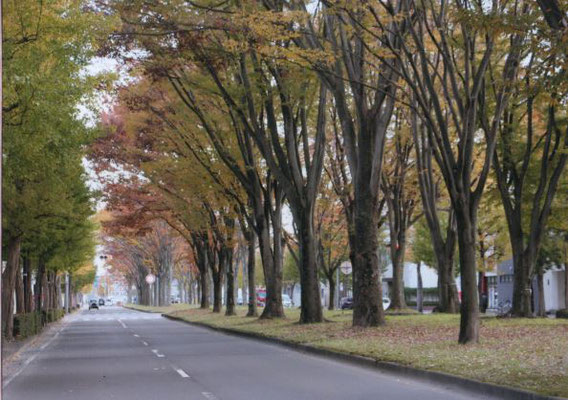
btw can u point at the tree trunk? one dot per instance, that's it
(566, 275)
(163, 288)
(58, 304)
(129, 293)
(20, 302)
(419, 289)
(469, 322)
(397, 298)
(251, 266)
(230, 296)
(217, 269)
(144, 293)
(8, 283)
(244, 281)
(38, 292)
(522, 287)
(367, 289)
(332, 285)
(156, 287)
(203, 265)
(272, 261)
(310, 309)
(541, 304)
(217, 291)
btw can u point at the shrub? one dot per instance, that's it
(562, 313)
(27, 324)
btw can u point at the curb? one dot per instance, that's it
(470, 385)
(146, 311)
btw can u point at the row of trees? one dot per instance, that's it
(395, 110)
(153, 248)
(46, 205)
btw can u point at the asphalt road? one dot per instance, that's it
(121, 354)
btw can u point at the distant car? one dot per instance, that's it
(93, 304)
(386, 303)
(346, 303)
(286, 301)
(101, 302)
(174, 299)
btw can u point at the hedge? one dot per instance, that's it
(562, 313)
(27, 324)
(53, 315)
(425, 291)
(424, 303)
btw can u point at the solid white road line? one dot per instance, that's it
(209, 395)
(182, 373)
(135, 335)
(122, 323)
(145, 344)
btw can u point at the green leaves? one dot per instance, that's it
(46, 200)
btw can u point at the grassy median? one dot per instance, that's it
(161, 310)
(530, 354)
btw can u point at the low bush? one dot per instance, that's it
(424, 303)
(52, 315)
(27, 324)
(562, 313)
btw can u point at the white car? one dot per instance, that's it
(386, 303)
(286, 301)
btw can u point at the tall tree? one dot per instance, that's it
(531, 157)
(44, 48)
(447, 92)
(401, 200)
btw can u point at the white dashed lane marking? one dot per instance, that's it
(182, 373)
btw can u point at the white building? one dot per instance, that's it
(410, 275)
(554, 296)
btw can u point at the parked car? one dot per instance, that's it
(101, 302)
(93, 304)
(108, 302)
(174, 299)
(261, 298)
(346, 303)
(386, 303)
(286, 301)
